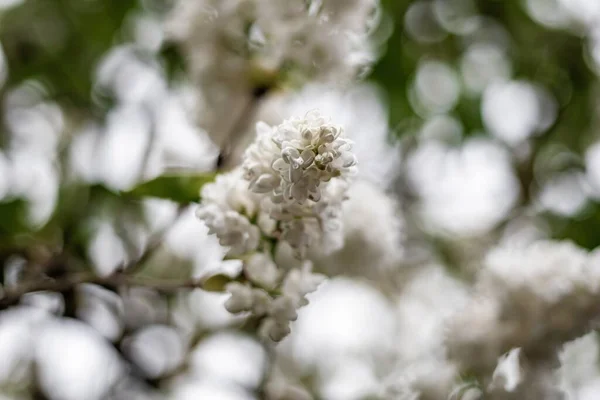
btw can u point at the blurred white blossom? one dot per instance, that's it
(579, 372)
(464, 190)
(241, 49)
(373, 235)
(508, 373)
(534, 296)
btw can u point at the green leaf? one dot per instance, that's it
(59, 43)
(583, 229)
(13, 217)
(216, 283)
(179, 188)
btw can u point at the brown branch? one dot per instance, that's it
(123, 276)
(238, 128)
(12, 296)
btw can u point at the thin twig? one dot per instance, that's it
(152, 138)
(239, 127)
(123, 276)
(13, 296)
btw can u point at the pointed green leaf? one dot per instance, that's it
(179, 188)
(13, 217)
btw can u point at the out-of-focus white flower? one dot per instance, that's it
(371, 236)
(508, 374)
(237, 50)
(513, 111)
(592, 161)
(545, 270)
(420, 364)
(311, 38)
(464, 191)
(535, 296)
(89, 369)
(579, 370)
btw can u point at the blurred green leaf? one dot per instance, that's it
(13, 217)
(58, 43)
(584, 229)
(178, 188)
(216, 283)
(172, 59)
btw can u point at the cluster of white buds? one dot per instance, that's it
(276, 311)
(227, 209)
(301, 166)
(293, 159)
(289, 191)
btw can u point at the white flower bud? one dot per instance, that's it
(223, 203)
(274, 330)
(241, 299)
(508, 374)
(261, 270)
(261, 302)
(300, 282)
(284, 308)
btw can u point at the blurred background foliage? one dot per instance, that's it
(551, 57)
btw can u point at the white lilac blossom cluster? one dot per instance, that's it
(240, 50)
(535, 297)
(276, 312)
(506, 332)
(313, 39)
(288, 192)
(301, 167)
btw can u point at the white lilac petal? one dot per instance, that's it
(241, 298)
(261, 302)
(264, 183)
(262, 270)
(300, 282)
(274, 330)
(508, 373)
(284, 308)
